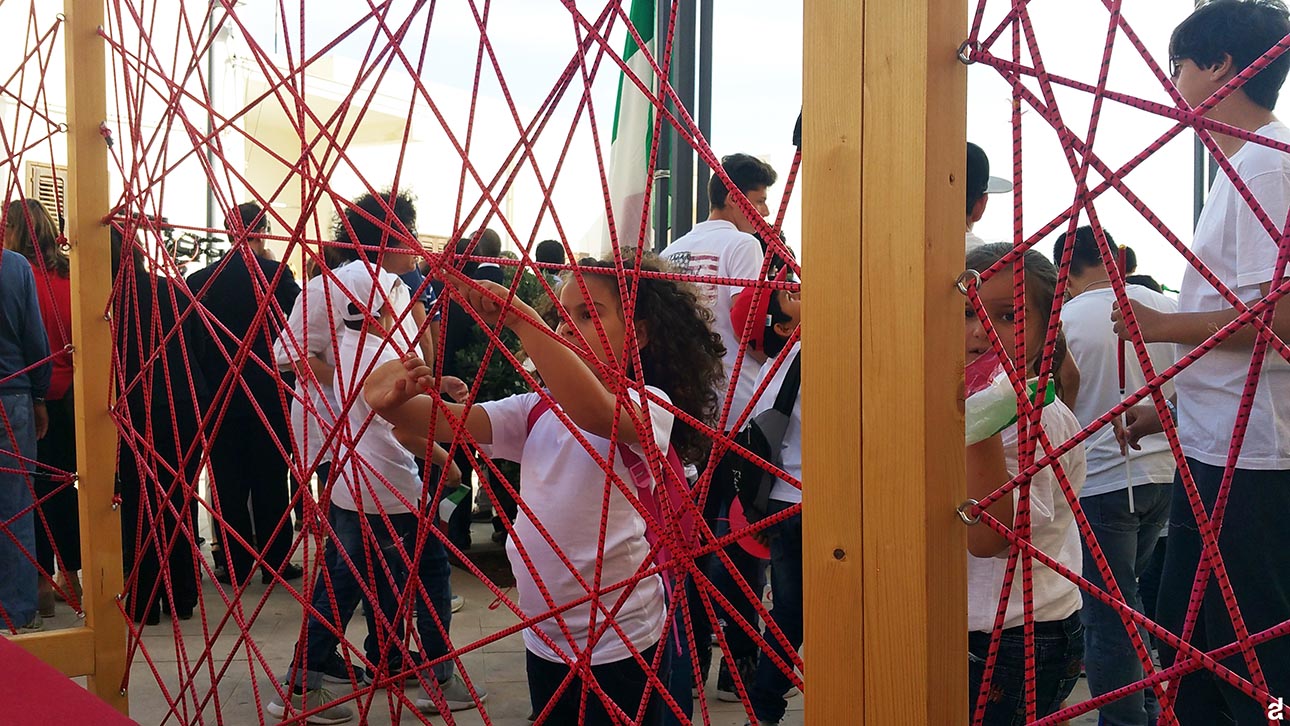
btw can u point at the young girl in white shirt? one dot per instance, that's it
(588, 515)
(1058, 639)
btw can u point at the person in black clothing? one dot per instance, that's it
(159, 397)
(249, 433)
(459, 332)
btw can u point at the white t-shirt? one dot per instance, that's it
(791, 450)
(565, 489)
(1239, 252)
(375, 464)
(309, 331)
(1093, 344)
(716, 248)
(973, 240)
(1053, 532)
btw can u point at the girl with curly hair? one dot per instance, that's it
(596, 535)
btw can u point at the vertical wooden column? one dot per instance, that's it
(87, 204)
(883, 225)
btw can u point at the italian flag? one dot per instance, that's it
(629, 175)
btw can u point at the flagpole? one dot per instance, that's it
(682, 75)
(662, 181)
(703, 173)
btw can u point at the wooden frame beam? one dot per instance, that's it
(87, 205)
(884, 113)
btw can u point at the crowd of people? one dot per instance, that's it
(354, 381)
(1150, 535)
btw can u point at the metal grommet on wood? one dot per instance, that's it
(968, 276)
(965, 51)
(964, 507)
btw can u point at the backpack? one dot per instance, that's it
(668, 503)
(763, 437)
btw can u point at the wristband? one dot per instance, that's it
(1173, 409)
(38, 399)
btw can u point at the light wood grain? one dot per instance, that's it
(883, 226)
(91, 335)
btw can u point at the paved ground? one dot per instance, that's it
(499, 665)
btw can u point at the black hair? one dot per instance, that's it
(246, 217)
(1085, 255)
(550, 252)
(772, 342)
(488, 243)
(1041, 290)
(1242, 29)
(1146, 281)
(371, 224)
(746, 172)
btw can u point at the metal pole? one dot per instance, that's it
(705, 105)
(210, 128)
(683, 52)
(662, 175)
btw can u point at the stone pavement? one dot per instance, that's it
(498, 665)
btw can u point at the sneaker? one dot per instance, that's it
(36, 624)
(340, 671)
(458, 602)
(726, 689)
(309, 700)
(455, 695)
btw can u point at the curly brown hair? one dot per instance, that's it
(683, 355)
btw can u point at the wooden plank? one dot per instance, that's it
(69, 651)
(883, 466)
(87, 204)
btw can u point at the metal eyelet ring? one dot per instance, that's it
(965, 55)
(962, 282)
(62, 128)
(962, 510)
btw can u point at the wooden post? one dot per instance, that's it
(87, 204)
(883, 224)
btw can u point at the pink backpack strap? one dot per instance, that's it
(676, 516)
(543, 405)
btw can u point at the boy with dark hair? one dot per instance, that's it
(550, 252)
(1210, 48)
(775, 315)
(246, 451)
(724, 247)
(980, 185)
(1126, 516)
(378, 502)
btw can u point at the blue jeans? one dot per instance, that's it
(1128, 541)
(390, 543)
(1059, 647)
(1253, 547)
(771, 683)
(17, 522)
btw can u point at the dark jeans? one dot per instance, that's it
(771, 683)
(250, 475)
(58, 523)
(17, 529)
(155, 509)
(1059, 648)
(747, 568)
(1127, 540)
(623, 681)
(390, 544)
(1254, 552)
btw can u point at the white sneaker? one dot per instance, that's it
(456, 696)
(458, 602)
(309, 700)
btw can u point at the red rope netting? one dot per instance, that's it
(233, 377)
